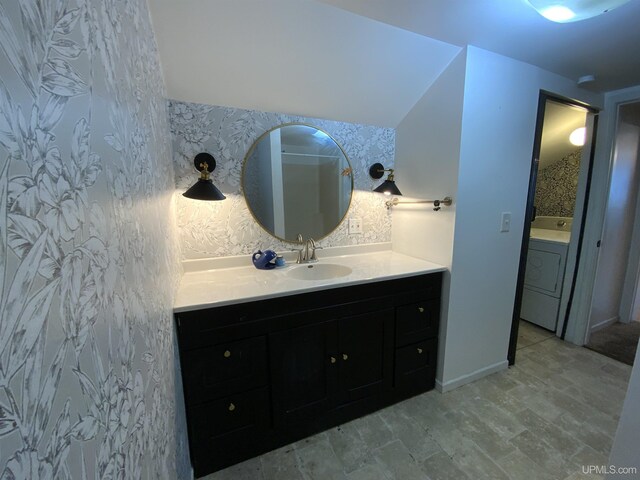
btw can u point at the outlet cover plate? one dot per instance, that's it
(355, 226)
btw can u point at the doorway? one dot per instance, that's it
(614, 325)
(554, 219)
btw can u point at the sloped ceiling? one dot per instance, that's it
(606, 46)
(294, 56)
(559, 121)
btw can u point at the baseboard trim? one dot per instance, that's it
(603, 324)
(471, 377)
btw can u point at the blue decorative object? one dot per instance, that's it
(263, 260)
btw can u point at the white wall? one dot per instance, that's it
(498, 123)
(294, 56)
(427, 154)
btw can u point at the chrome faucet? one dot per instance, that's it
(307, 250)
(311, 243)
(300, 258)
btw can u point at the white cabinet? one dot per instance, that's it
(543, 281)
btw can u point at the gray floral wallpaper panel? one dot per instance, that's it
(88, 246)
(557, 187)
(217, 229)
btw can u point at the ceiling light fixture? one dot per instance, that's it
(578, 137)
(565, 11)
(586, 79)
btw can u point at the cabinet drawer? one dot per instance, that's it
(417, 321)
(228, 428)
(416, 366)
(225, 369)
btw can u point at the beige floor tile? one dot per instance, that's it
(248, 470)
(518, 466)
(368, 472)
(441, 467)
(281, 463)
(349, 447)
(319, 462)
(397, 463)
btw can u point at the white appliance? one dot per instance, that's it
(544, 277)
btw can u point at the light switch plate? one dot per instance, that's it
(505, 222)
(355, 226)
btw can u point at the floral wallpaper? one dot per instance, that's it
(215, 229)
(557, 187)
(88, 251)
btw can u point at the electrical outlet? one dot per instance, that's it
(505, 223)
(355, 226)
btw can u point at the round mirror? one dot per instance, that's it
(297, 181)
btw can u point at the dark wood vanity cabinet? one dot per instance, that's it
(320, 367)
(262, 374)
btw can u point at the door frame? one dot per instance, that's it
(579, 325)
(528, 216)
(628, 308)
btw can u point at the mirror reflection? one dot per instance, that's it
(297, 180)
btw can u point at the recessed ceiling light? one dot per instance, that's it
(578, 137)
(564, 11)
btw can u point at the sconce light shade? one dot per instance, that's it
(388, 187)
(204, 189)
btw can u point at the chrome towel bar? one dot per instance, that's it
(437, 204)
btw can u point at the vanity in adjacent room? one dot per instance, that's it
(269, 357)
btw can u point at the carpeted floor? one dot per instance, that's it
(618, 341)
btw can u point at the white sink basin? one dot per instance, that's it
(319, 271)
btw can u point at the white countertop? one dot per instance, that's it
(555, 236)
(224, 286)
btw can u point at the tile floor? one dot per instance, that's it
(530, 334)
(553, 412)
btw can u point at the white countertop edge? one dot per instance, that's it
(316, 287)
(193, 283)
(214, 263)
(550, 236)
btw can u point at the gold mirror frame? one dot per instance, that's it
(250, 152)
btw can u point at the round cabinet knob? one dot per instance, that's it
(227, 354)
(232, 407)
(421, 309)
(333, 359)
(345, 356)
(419, 351)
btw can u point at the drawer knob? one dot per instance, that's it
(227, 354)
(345, 356)
(232, 407)
(333, 359)
(421, 309)
(419, 351)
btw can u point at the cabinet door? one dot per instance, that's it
(225, 369)
(304, 370)
(365, 355)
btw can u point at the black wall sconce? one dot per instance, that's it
(204, 189)
(388, 187)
